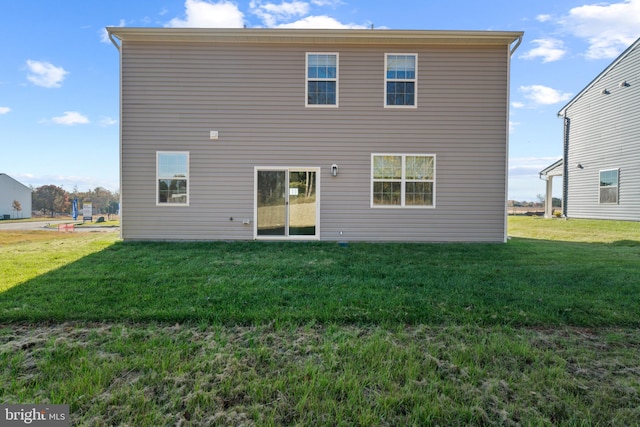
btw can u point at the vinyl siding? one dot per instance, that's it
(605, 134)
(174, 94)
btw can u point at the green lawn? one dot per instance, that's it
(543, 330)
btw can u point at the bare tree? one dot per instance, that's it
(16, 206)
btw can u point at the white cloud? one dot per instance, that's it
(608, 27)
(45, 74)
(544, 95)
(516, 104)
(332, 3)
(512, 126)
(4, 110)
(104, 35)
(271, 13)
(529, 166)
(548, 49)
(205, 14)
(321, 22)
(108, 121)
(70, 118)
(543, 18)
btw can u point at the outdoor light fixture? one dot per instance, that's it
(334, 170)
(579, 166)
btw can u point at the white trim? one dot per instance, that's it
(328, 79)
(316, 37)
(158, 178)
(403, 181)
(288, 170)
(415, 81)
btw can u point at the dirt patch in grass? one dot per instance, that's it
(14, 237)
(154, 374)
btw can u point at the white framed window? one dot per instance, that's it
(321, 80)
(609, 180)
(403, 180)
(172, 178)
(401, 80)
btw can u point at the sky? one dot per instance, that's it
(59, 88)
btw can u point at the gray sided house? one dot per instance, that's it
(10, 191)
(337, 135)
(600, 168)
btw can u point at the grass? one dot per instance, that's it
(540, 331)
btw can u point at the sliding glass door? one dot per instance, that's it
(286, 203)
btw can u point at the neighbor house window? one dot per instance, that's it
(172, 177)
(322, 79)
(400, 80)
(399, 180)
(609, 186)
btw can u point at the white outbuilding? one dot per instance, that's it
(12, 191)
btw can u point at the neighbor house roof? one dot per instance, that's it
(623, 55)
(555, 169)
(4, 174)
(302, 36)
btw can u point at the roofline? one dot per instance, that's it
(593, 82)
(551, 167)
(312, 36)
(15, 180)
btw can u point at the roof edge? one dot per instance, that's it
(297, 36)
(16, 181)
(593, 82)
(551, 167)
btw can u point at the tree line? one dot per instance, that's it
(51, 200)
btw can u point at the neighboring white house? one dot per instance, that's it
(600, 168)
(10, 191)
(359, 135)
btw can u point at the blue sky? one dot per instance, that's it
(59, 73)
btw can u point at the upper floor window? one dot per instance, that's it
(609, 186)
(400, 80)
(403, 180)
(322, 79)
(172, 177)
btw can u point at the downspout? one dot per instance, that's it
(513, 49)
(115, 43)
(565, 165)
(506, 171)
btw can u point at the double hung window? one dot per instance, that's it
(403, 180)
(609, 186)
(172, 169)
(322, 79)
(401, 80)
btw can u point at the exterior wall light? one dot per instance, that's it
(579, 166)
(334, 170)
